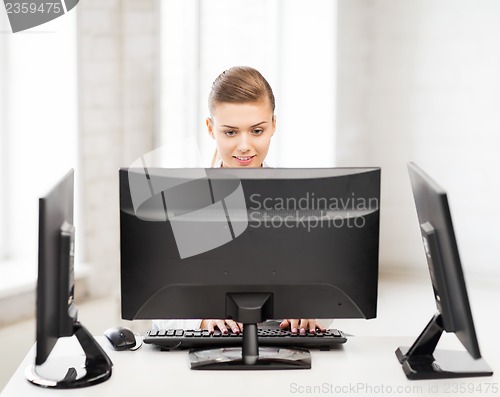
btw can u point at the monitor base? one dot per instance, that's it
(96, 369)
(269, 358)
(442, 364)
(250, 309)
(423, 361)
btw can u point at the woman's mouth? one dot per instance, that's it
(243, 160)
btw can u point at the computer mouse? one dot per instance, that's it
(121, 338)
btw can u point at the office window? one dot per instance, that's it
(292, 43)
(3, 127)
(38, 122)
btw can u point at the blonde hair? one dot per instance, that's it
(239, 84)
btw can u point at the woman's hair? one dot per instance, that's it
(239, 84)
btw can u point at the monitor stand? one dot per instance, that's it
(250, 309)
(97, 366)
(423, 361)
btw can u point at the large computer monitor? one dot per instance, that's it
(56, 312)
(422, 360)
(249, 244)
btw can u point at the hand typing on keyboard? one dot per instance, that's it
(222, 325)
(303, 325)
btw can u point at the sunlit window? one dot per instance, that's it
(3, 136)
(38, 124)
(292, 43)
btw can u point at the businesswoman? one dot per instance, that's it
(242, 123)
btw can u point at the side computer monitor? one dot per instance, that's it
(249, 244)
(56, 312)
(422, 361)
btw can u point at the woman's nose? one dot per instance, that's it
(243, 144)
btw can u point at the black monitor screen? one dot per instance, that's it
(445, 269)
(308, 237)
(56, 311)
(422, 360)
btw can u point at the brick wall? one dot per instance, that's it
(118, 78)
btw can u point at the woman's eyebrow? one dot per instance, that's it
(256, 125)
(236, 128)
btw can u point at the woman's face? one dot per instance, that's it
(242, 132)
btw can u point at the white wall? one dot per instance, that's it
(420, 81)
(406, 72)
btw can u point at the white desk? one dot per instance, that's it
(363, 366)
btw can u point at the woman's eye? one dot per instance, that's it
(257, 131)
(230, 133)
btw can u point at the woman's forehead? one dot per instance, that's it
(237, 114)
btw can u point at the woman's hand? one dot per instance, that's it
(303, 325)
(222, 325)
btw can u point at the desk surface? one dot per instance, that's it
(363, 366)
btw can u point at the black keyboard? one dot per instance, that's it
(179, 339)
